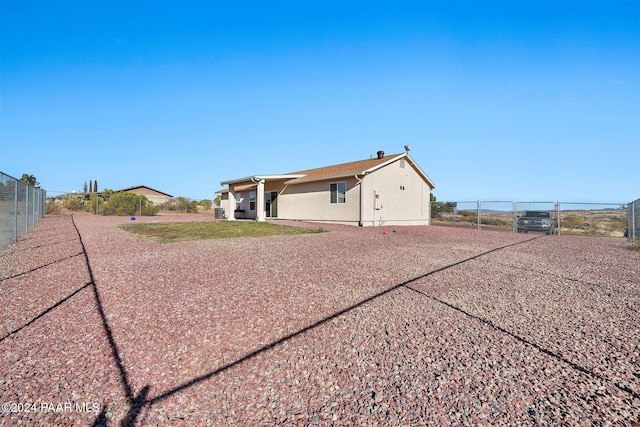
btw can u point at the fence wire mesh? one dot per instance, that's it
(21, 207)
(633, 221)
(571, 218)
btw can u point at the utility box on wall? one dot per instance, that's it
(377, 201)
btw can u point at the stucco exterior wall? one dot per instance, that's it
(394, 194)
(403, 196)
(312, 202)
(153, 196)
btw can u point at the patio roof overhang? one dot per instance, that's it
(256, 178)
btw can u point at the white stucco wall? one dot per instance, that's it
(408, 206)
(404, 196)
(151, 195)
(312, 202)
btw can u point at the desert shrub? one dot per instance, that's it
(53, 208)
(73, 202)
(572, 221)
(90, 205)
(125, 203)
(488, 220)
(469, 215)
(180, 204)
(205, 204)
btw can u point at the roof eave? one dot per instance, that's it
(323, 178)
(383, 164)
(252, 178)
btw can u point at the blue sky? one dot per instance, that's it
(499, 100)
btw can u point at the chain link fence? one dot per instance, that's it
(632, 231)
(21, 207)
(124, 203)
(570, 218)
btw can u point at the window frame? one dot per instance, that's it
(252, 200)
(336, 196)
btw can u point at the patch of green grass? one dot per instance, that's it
(182, 231)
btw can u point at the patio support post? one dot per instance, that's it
(260, 206)
(231, 208)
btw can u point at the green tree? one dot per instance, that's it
(30, 180)
(95, 186)
(438, 208)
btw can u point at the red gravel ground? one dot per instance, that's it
(420, 326)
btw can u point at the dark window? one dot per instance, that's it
(338, 192)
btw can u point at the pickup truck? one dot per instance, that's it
(535, 221)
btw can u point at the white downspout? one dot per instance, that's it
(360, 206)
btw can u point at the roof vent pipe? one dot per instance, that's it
(380, 154)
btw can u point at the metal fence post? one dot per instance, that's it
(478, 214)
(26, 208)
(558, 216)
(15, 212)
(632, 231)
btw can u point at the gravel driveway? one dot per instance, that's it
(420, 326)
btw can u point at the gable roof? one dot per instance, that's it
(142, 186)
(342, 170)
(360, 167)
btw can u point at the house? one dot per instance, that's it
(389, 190)
(154, 196)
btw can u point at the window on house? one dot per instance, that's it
(338, 192)
(238, 200)
(252, 201)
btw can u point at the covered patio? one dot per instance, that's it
(262, 191)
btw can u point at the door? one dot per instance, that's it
(271, 204)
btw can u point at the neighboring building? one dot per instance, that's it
(156, 197)
(389, 190)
